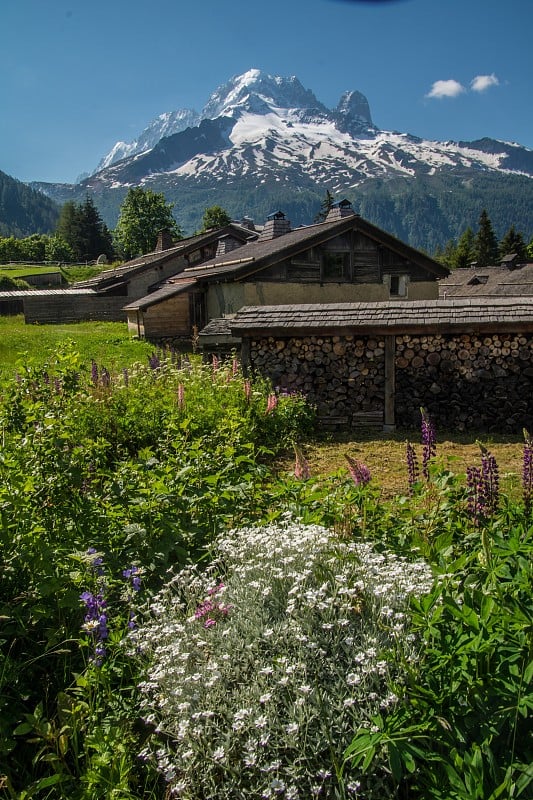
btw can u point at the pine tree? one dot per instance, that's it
(486, 244)
(465, 252)
(325, 207)
(513, 242)
(82, 229)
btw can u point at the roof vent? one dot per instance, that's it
(276, 225)
(226, 244)
(340, 210)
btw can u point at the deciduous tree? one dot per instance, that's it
(143, 214)
(215, 217)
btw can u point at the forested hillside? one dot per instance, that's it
(23, 210)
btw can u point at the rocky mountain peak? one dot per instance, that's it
(255, 90)
(354, 106)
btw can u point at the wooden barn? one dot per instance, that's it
(343, 259)
(103, 297)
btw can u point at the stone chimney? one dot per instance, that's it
(340, 210)
(164, 241)
(226, 244)
(276, 225)
(248, 223)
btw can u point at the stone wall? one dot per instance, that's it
(467, 382)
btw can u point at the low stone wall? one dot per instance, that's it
(465, 381)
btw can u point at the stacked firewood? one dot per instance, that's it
(467, 382)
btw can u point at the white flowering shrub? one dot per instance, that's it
(262, 667)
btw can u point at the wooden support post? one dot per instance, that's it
(245, 356)
(389, 423)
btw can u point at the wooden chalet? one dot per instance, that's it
(103, 296)
(343, 259)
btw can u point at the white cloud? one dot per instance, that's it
(449, 88)
(482, 82)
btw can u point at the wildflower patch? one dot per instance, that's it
(261, 667)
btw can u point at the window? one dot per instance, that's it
(336, 267)
(398, 285)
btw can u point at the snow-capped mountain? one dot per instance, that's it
(253, 92)
(164, 125)
(264, 141)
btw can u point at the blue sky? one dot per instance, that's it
(77, 76)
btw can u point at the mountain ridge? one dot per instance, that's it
(260, 133)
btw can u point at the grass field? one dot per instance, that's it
(108, 343)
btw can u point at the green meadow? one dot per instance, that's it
(203, 596)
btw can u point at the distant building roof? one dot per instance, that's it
(498, 281)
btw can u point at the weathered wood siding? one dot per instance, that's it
(168, 319)
(47, 308)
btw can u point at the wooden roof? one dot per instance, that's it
(130, 268)
(260, 254)
(488, 282)
(161, 294)
(385, 318)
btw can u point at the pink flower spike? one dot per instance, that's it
(209, 622)
(301, 466)
(272, 402)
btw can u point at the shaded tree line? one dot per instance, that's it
(482, 248)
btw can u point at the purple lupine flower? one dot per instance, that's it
(527, 472)
(429, 442)
(126, 376)
(491, 480)
(301, 465)
(413, 469)
(105, 378)
(359, 472)
(94, 373)
(46, 378)
(133, 574)
(154, 361)
(181, 396)
(95, 623)
(57, 385)
(97, 561)
(477, 506)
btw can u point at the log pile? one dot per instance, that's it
(466, 382)
(343, 376)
